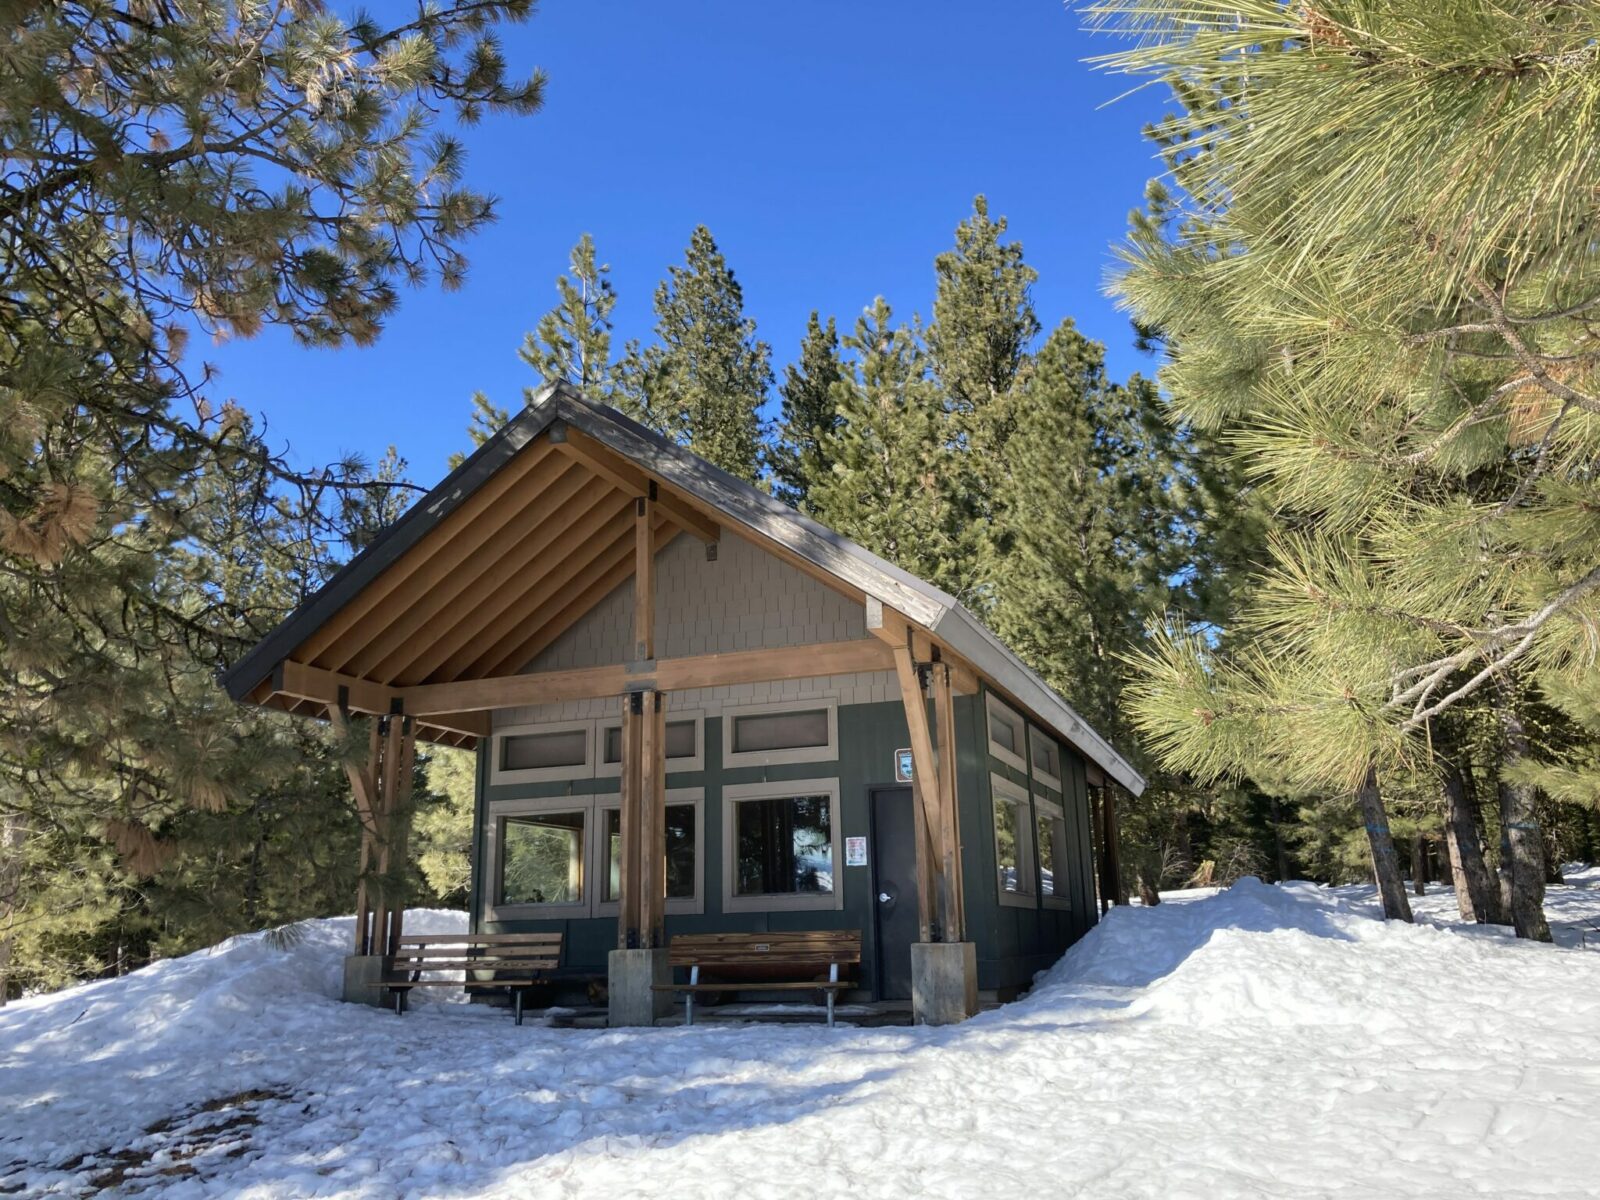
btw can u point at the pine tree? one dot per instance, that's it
(224, 167)
(572, 342)
(802, 456)
(1374, 286)
(704, 381)
(891, 456)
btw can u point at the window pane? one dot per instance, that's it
(1008, 856)
(785, 846)
(680, 849)
(1052, 843)
(780, 731)
(524, 751)
(680, 853)
(1044, 758)
(680, 739)
(1002, 732)
(542, 859)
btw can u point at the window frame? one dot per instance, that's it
(681, 906)
(494, 856)
(1035, 772)
(779, 789)
(995, 708)
(1046, 807)
(794, 754)
(1002, 790)
(499, 775)
(605, 770)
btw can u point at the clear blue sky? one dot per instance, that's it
(830, 147)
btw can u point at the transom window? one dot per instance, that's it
(1006, 734)
(685, 749)
(1045, 757)
(534, 753)
(1050, 823)
(1013, 843)
(765, 734)
(782, 845)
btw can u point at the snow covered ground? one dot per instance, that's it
(1263, 1041)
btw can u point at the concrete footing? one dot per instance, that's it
(363, 980)
(944, 982)
(631, 976)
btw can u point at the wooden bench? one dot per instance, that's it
(513, 962)
(785, 961)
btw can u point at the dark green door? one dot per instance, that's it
(894, 890)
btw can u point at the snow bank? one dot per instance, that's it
(1260, 1041)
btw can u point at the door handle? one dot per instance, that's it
(885, 898)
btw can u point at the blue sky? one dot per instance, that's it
(831, 148)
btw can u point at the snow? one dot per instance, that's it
(1259, 1041)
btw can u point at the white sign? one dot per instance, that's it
(902, 765)
(855, 852)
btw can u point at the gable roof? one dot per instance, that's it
(737, 504)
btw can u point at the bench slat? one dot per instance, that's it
(747, 986)
(487, 939)
(487, 952)
(523, 965)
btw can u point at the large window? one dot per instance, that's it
(1013, 843)
(533, 753)
(538, 855)
(1006, 734)
(764, 734)
(1050, 822)
(782, 845)
(685, 838)
(685, 750)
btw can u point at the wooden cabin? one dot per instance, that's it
(695, 709)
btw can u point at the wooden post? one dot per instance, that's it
(652, 821)
(400, 824)
(628, 867)
(644, 577)
(1098, 838)
(949, 841)
(927, 794)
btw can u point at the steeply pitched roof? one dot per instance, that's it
(738, 504)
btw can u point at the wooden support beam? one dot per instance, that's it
(628, 866)
(466, 521)
(667, 675)
(924, 775)
(894, 628)
(622, 474)
(949, 841)
(331, 688)
(652, 854)
(644, 577)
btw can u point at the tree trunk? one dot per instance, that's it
(1277, 840)
(1385, 862)
(1520, 827)
(11, 833)
(1476, 894)
(1101, 879)
(1119, 887)
(1419, 865)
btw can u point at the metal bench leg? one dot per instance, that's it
(688, 999)
(399, 1001)
(517, 1002)
(833, 977)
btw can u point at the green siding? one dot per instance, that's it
(1012, 943)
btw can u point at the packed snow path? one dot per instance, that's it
(1264, 1041)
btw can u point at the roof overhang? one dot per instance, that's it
(606, 457)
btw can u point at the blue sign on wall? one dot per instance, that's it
(902, 765)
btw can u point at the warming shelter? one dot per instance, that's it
(695, 709)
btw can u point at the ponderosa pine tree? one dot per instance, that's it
(1376, 287)
(220, 168)
(703, 382)
(802, 454)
